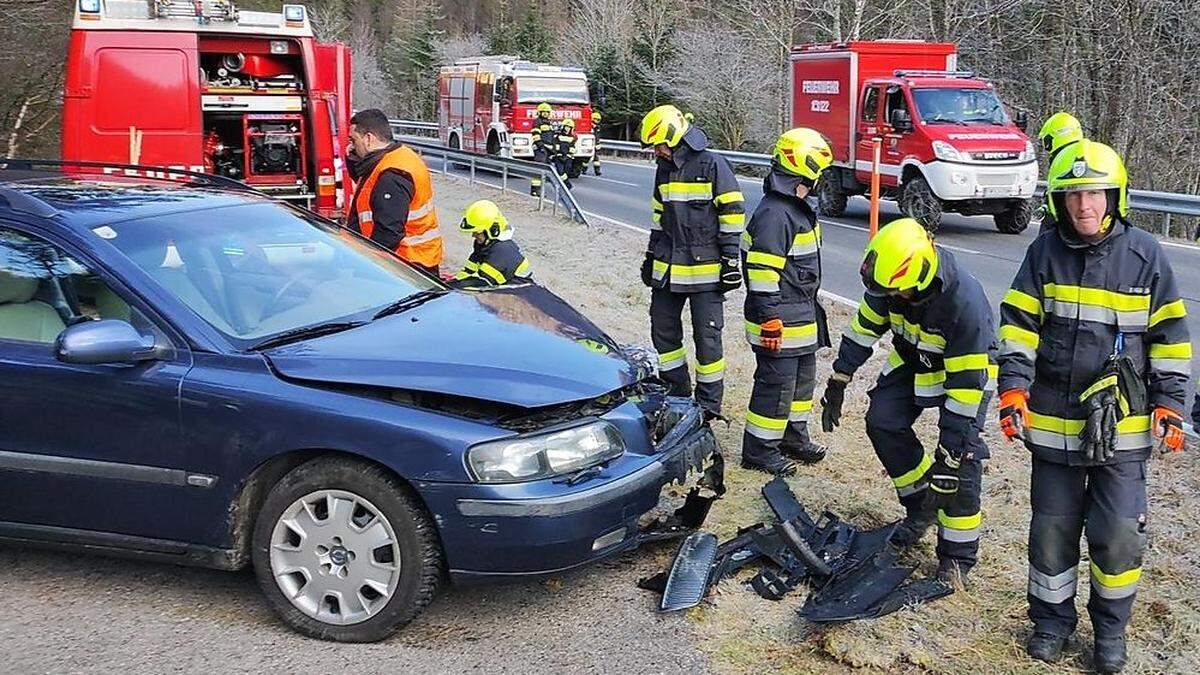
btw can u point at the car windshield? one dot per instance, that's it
(959, 106)
(257, 270)
(531, 89)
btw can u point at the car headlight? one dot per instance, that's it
(547, 454)
(1028, 153)
(943, 150)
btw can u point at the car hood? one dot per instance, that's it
(521, 346)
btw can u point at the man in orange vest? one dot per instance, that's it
(393, 197)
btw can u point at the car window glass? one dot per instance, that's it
(43, 290)
(894, 101)
(870, 109)
(260, 269)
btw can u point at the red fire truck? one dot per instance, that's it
(487, 104)
(203, 86)
(948, 143)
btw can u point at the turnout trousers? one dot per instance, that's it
(1108, 503)
(666, 332)
(890, 417)
(780, 406)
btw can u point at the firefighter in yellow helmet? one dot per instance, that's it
(697, 218)
(785, 324)
(496, 259)
(596, 145)
(544, 140)
(1095, 358)
(943, 355)
(1059, 131)
(563, 152)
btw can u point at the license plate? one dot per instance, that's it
(997, 192)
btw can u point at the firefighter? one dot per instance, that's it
(393, 198)
(1094, 359)
(563, 151)
(596, 146)
(785, 325)
(543, 143)
(496, 259)
(943, 356)
(697, 217)
(1058, 131)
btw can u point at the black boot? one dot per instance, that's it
(596, 169)
(1109, 655)
(953, 572)
(809, 453)
(915, 524)
(776, 466)
(1045, 647)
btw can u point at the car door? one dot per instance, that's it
(893, 139)
(85, 449)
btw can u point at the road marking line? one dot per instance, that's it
(611, 180)
(1175, 244)
(618, 223)
(840, 299)
(640, 165)
(951, 247)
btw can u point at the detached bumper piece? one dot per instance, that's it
(852, 574)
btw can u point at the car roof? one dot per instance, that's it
(89, 200)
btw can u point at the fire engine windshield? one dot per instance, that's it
(535, 89)
(959, 106)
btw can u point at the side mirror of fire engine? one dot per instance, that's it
(1022, 120)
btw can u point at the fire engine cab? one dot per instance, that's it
(204, 86)
(947, 141)
(488, 104)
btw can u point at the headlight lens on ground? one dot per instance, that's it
(544, 455)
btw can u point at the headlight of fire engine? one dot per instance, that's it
(89, 6)
(544, 455)
(1027, 154)
(520, 140)
(585, 143)
(943, 150)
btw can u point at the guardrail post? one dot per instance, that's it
(542, 192)
(472, 170)
(557, 198)
(504, 179)
(445, 168)
(1166, 224)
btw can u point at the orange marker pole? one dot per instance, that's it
(876, 147)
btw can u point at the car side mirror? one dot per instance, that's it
(901, 120)
(106, 341)
(1022, 120)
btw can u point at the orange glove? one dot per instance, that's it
(1167, 426)
(772, 335)
(1014, 412)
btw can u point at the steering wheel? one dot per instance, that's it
(270, 309)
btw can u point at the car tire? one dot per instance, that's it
(393, 565)
(1015, 218)
(918, 202)
(831, 198)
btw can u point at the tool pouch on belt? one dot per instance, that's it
(1118, 392)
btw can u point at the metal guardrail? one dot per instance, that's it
(431, 148)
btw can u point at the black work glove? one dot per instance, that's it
(943, 475)
(831, 401)
(1099, 435)
(731, 274)
(648, 269)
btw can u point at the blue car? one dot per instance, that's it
(196, 373)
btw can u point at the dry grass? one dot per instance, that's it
(979, 630)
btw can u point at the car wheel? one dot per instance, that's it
(1015, 218)
(344, 551)
(918, 202)
(831, 199)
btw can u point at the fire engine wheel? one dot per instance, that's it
(1015, 218)
(831, 199)
(919, 203)
(344, 551)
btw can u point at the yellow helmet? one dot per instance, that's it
(484, 216)
(802, 152)
(569, 123)
(544, 108)
(595, 115)
(664, 124)
(1060, 130)
(901, 257)
(1087, 165)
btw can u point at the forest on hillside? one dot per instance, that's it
(1129, 69)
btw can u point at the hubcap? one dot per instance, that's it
(335, 557)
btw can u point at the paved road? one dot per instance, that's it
(621, 195)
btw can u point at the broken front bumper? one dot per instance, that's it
(543, 527)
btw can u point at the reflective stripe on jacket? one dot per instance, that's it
(495, 263)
